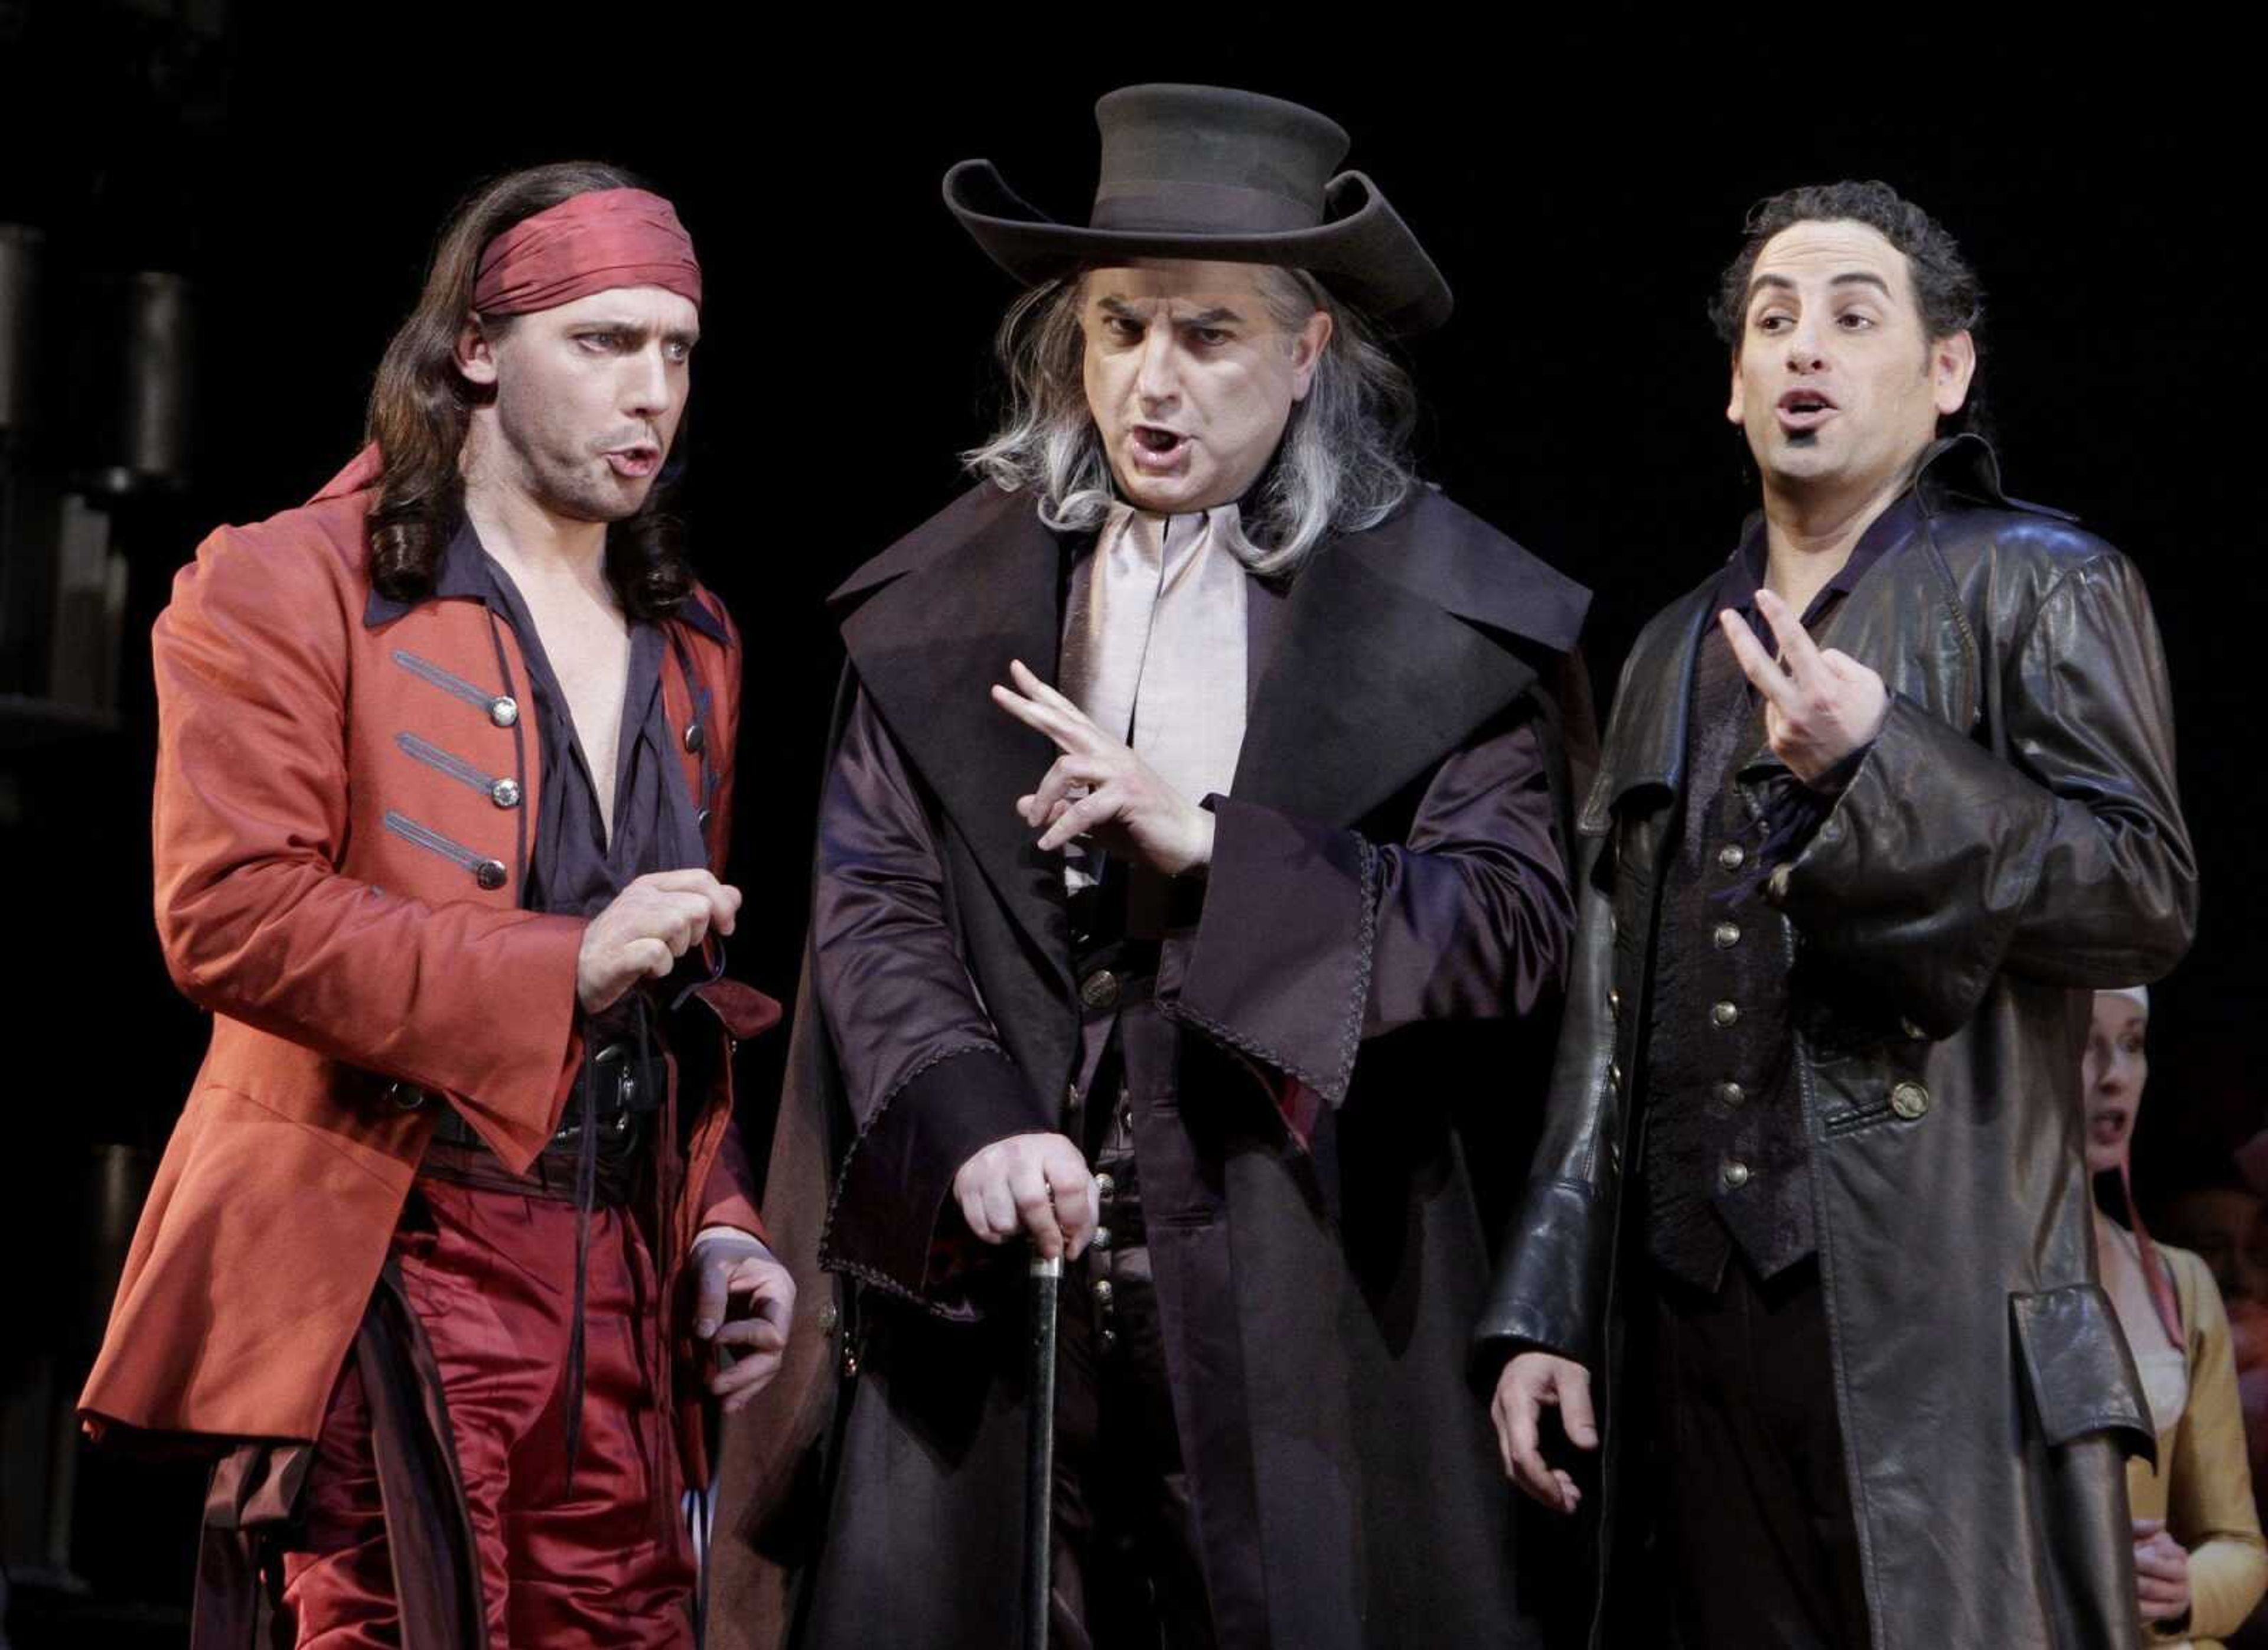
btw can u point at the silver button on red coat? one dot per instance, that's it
(504, 710)
(489, 874)
(504, 793)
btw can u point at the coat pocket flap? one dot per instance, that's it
(745, 1011)
(2082, 1377)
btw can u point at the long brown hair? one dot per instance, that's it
(422, 406)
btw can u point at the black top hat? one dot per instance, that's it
(1203, 171)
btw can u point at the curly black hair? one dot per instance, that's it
(1946, 287)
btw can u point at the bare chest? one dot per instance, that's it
(589, 648)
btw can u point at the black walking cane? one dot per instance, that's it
(1040, 1463)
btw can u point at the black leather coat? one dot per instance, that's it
(2010, 842)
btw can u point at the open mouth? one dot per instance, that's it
(1803, 410)
(641, 459)
(1158, 448)
(2107, 1125)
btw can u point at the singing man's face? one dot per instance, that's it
(1191, 380)
(588, 396)
(1836, 382)
(2112, 1071)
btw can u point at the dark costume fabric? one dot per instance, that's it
(1387, 858)
(2011, 840)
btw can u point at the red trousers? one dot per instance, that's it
(602, 1561)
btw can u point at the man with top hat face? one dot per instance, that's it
(1192, 752)
(1804, 1280)
(440, 1258)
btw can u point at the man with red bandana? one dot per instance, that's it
(443, 791)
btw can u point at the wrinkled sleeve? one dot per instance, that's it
(249, 823)
(1942, 866)
(1313, 938)
(728, 1196)
(1551, 1285)
(2210, 1509)
(927, 1081)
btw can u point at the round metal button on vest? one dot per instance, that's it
(694, 740)
(1726, 935)
(1099, 990)
(1732, 1093)
(1102, 1289)
(701, 820)
(828, 1317)
(1104, 1186)
(1737, 1175)
(1909, 1100)
(1102, 1239)
(1614, 1077)
(489, 874)
(504, 793)
(1725, 1013)
(1732, 856)
(503, 710)
(1613, 1002)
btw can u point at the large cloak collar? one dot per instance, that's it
(1397, 643)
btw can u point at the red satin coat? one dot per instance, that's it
(350, 962)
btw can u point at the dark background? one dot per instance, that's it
(1581, 185)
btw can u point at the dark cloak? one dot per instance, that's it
(1319, 1292)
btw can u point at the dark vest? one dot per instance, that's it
(1724, 1156)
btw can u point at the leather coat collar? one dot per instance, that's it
(1645, 746)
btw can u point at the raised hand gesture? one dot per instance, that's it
(1819, 705)
(1127, 808)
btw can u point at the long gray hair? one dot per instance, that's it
(1344, 463)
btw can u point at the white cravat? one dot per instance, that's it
(1154, 645)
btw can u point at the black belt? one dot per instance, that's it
(625, 1092)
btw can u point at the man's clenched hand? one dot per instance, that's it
(1037, 1183)
(652, 922)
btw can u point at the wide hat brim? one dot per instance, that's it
(1362, 250)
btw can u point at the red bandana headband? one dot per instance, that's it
(588, 243)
